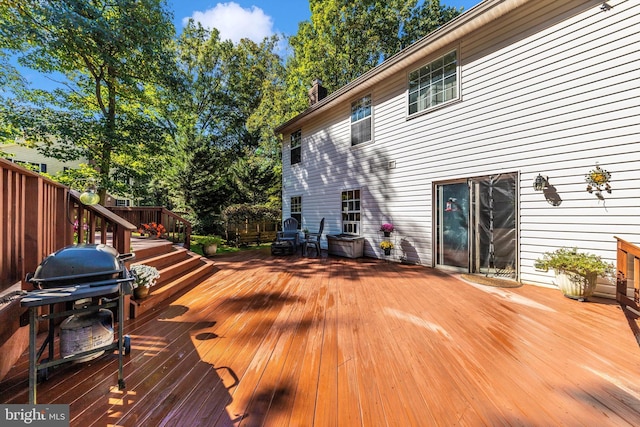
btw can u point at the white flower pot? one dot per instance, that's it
(210, 250)
(576, 286)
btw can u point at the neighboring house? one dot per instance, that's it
(446, 139)
(24, 156)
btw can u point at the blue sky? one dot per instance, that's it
(255, 19)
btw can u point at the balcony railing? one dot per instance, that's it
(628, 268)
(178, 228)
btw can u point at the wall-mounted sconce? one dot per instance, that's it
(540, 183)
(89, 196)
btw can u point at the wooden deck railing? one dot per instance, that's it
(40, 216)
(178, 228)
(628, 267)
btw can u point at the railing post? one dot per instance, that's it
(33, 225)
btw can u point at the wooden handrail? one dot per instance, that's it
(628, 267)
(178, 228)
(40, 216)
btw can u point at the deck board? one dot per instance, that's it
(292, 341)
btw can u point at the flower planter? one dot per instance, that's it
(140, 292)
(387, 252)
(210, 250)
(576, 286)
(346, 245)
(387, 233)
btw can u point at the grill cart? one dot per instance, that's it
(84, 276)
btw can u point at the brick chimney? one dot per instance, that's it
(317, 92)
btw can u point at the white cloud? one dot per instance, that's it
(234, 23)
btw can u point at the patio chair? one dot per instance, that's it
(289, 233)
(313, 240)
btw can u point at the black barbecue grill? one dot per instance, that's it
(86, 272)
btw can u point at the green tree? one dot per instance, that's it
(425, 18)
(221, 113)
(108, 52)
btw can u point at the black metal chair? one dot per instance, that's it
(313, 240)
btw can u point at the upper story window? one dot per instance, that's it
(434, 84)
(296, 210)
(351, 212)
(36, 167)
(361, 120)
(296, 147)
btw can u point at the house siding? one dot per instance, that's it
(550, 88)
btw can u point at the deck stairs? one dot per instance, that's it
(180, 269)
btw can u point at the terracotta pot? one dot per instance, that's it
(140, 292)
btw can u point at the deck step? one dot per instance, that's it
(186, 270)
(165, 259)
(145, 251)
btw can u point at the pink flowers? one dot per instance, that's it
(386, 227)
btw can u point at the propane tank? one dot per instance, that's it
(84, 332)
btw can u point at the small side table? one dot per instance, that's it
(282, 247)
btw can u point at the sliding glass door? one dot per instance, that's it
(476, 228)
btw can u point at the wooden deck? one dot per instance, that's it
(290, 341)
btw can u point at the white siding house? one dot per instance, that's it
(23, 155)
(461, 124)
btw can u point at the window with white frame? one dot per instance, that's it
(361, 120)
(123, 202)
(36, 167)
(351, 212)
(296, 210)
(296, 147)
(434, 84)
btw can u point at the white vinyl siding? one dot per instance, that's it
(550, 88)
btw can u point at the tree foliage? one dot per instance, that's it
(222, 119)
(107, 52)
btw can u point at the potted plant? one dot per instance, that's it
(386, 246)
(576, 272)
(145, 277)
(387, 228)
(209, 244)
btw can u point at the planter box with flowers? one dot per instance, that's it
(152, 230)
(146, 276)
(576, 272)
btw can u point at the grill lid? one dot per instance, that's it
(78, 263)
